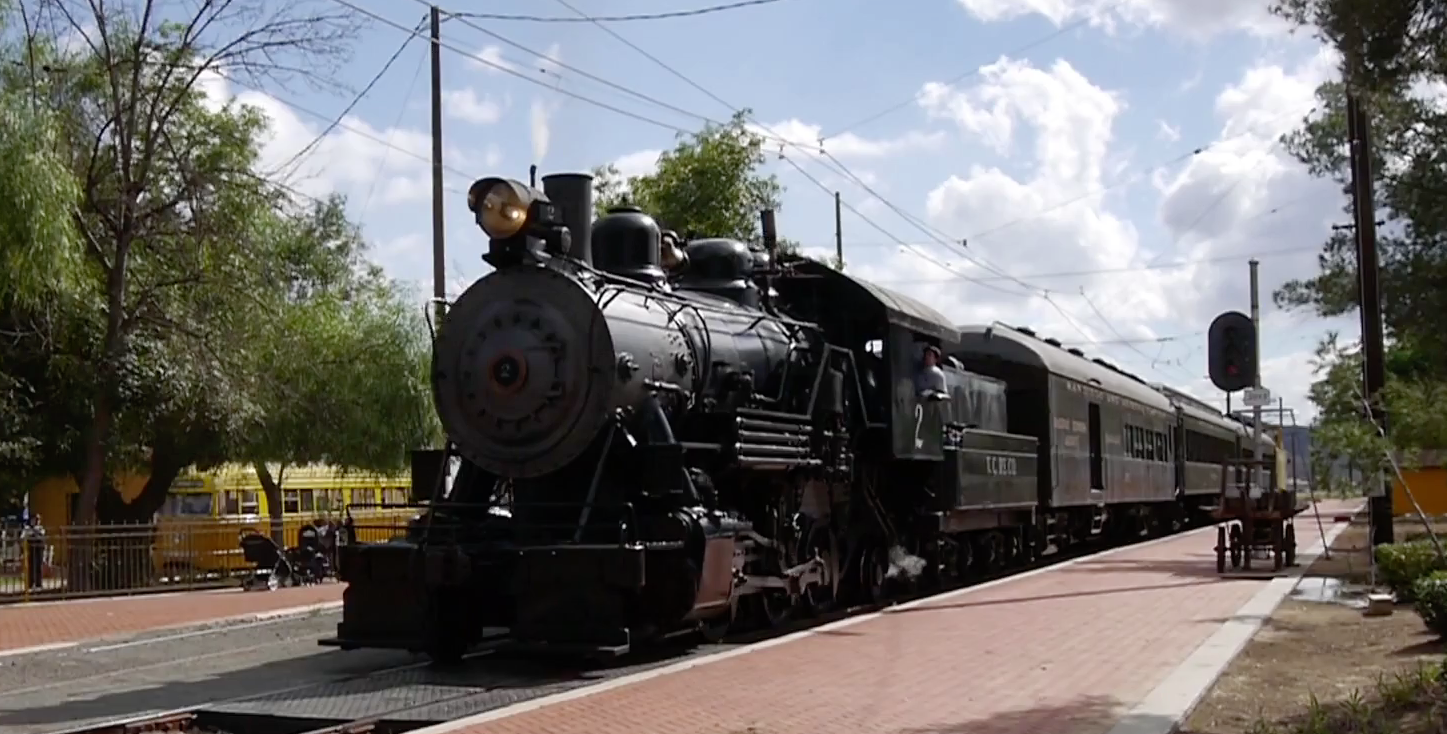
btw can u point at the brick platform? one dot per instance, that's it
(51, 623)
(1066, 651)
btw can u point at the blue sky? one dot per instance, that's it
(1078, 147)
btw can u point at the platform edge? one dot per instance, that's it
(1171, 702)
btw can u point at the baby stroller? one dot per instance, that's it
(271, 567)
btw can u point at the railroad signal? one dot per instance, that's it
(1231, 348)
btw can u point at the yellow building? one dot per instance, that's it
(1426, 475)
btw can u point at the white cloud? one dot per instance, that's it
(640, 163)
(1190, 18)
(490, 59)
(387, 166)
(848, 145)
(1060, 207)
(1168, 132)
(466, 105)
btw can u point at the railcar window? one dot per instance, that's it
(190, 505)
(329, 500)
(242, 502)
(308, 500)
(290, 501)
(367, 496)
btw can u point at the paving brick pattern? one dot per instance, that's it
(30, 625)
(1063, 652)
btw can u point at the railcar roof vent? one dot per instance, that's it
(1101, 362)
(1076, 352)
(1052, 342)
(1027, 331)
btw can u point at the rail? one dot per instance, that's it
(201, 721)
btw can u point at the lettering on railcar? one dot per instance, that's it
(1001, 466)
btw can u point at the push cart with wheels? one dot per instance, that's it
(1254, 521)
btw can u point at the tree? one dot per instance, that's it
(1395, 44)
(709, 185)
(339, 377)
(1399, 41)
(171, 211)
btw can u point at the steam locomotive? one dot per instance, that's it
(648, 437)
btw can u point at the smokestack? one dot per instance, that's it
(572, 194)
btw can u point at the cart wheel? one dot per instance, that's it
(1236, 547)
(1221, 549)
(1291, 545)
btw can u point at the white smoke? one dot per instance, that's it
(905, 563)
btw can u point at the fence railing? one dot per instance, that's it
(173, 554)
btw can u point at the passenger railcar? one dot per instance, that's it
(653, 439)
(1105, 437)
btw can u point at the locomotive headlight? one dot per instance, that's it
(502, 206)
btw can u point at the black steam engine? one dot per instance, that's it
(653, 437)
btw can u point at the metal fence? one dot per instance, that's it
(172, 555)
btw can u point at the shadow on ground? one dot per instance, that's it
(1087, 715)
(328, 683)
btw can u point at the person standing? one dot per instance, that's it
(33, 535)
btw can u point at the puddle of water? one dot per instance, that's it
(1318, 589)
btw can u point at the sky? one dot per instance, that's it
(1098, 170)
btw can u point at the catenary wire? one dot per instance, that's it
(360, 133)
(784, 141)
(387, 153)
(357, 99)
(513, 72)
(691, 13)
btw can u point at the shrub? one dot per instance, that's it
(1401, 564)
(1431, 601)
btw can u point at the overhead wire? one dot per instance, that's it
(387, 152)
(1186, 262)
(1045, 293)
(924, 227)
(464, 19)
(356, 99)
(771, 133)
(973, 72)
(349, 128)
(502, 68)
(941, 238)
(692, 13)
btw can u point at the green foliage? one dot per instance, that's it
(1431, 601)
(207, 317)
(1401, 44)
(1403, 702)
(1398, 41)
(40, 253)
(1401, 565)
(709, 185)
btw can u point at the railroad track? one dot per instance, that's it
(200, 721)
(222, 716)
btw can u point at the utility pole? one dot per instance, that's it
(1256, 356)
(439, 249)
(1374, 373)
(838, 231)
